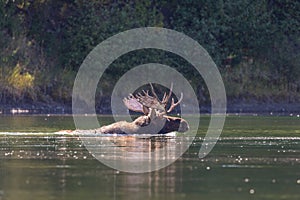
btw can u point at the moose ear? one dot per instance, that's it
(133, 104)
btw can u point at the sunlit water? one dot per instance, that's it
(256, 158)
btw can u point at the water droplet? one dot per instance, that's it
(207, 168)
(251, 191)
(246, 180)
(298, 181)
(273, 180)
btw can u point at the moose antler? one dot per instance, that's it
(144, 102)
(173, 104)
(166, 99)
(133, 104)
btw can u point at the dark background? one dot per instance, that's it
(255, 44)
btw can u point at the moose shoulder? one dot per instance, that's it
(155, 119)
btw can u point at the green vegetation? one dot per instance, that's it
(255, 44)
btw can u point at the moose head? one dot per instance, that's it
(155, 119)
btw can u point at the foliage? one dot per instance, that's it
(20, 82)
(255, 43)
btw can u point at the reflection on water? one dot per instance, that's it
(59, 167)
(43, 165)
(136, 153)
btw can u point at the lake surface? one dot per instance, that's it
(257, 157)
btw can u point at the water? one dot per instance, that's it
(256, 158)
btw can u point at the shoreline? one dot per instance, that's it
(250, 108)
